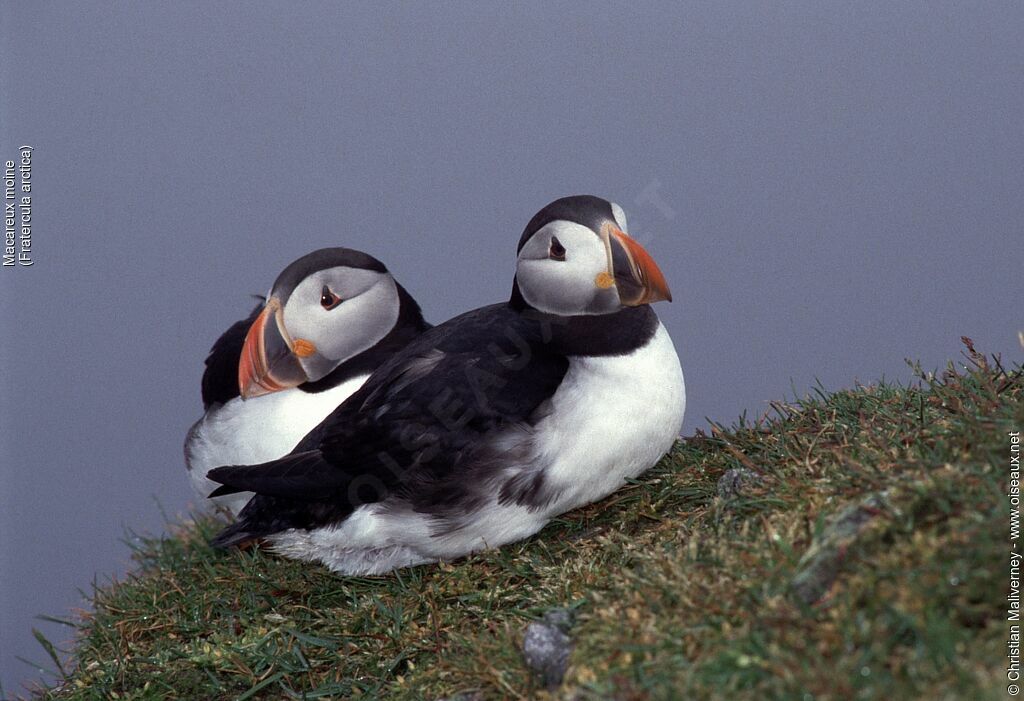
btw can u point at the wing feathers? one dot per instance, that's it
(304, 476)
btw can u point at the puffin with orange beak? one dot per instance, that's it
(330, 319)
(486, 427)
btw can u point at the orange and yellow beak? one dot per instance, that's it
(637, 277)
(270, 360)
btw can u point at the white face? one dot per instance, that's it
(564, 269)
(342, 311)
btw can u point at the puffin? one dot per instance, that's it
(330, 319)
(487, 426)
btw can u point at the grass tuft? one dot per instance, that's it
(858, 553)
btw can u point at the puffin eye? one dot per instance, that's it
(329, 300)
(557, 250)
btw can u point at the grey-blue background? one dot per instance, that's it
(829, 186)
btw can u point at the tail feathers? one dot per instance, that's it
(235, 534)
(301, 476)
(222, 491)
(296, 491)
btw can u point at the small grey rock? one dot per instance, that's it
(819, 567)
(733, 482)
(546, 650)
(817, 576)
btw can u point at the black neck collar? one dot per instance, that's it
(618, 333)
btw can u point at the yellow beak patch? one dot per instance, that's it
(303, 348)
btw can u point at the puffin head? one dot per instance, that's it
(575, 257)
(323, 309)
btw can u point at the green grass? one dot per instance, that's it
(866, 559)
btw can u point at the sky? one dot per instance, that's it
(829, 187)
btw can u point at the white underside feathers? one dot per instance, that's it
(255, 431)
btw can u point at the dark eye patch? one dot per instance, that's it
(556, 251)
(328, 300)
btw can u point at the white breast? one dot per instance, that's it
(255, 431)
(611, 419)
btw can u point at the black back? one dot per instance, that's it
(433, 422)
(220, 379)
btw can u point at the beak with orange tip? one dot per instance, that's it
(637, 277)
(270, 360)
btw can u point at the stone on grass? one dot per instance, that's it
(546, 646)
(820, 565)
(735, 481)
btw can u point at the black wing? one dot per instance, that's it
(293, 476)
(220, 379)
(429, 413)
